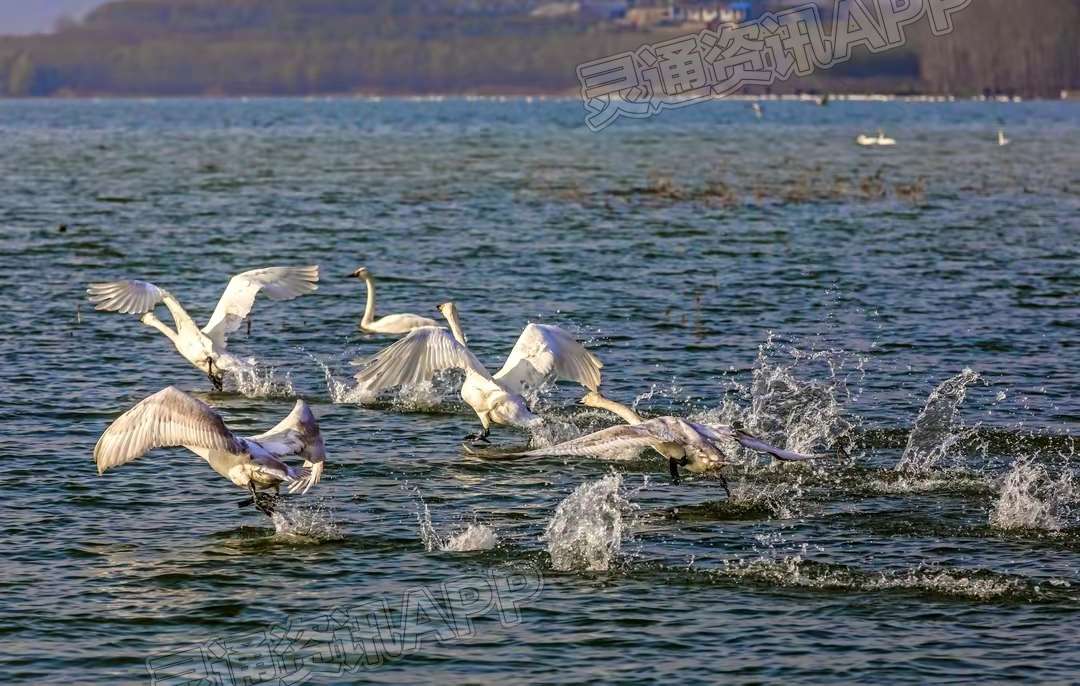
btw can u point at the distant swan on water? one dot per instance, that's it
(205, 348)
(172, 418)
(543, 353)
(1002, 140)
(879, 139)
(684, 444)
(391, 323)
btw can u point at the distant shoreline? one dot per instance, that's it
(527, 96)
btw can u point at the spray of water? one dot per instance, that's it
(421, 396)
(794, 399)
(474, 537)
(1034, 498)
(254, 381)
(310, 522)
(586, 531)
(938, 429)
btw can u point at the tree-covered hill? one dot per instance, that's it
(194, 47)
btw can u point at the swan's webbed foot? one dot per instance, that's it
(724, 484)
(263, 502)
(673, 467)
(481, 437)
(216, 379)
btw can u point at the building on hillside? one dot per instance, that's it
(550, 10)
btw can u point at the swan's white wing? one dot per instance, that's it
(718, 432)
(298, 434)
(129, 297)
(416, 358)
(170, 417)
(612, 443)
(544, 353)
(279, 283)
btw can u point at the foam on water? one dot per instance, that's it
(1034, 498)
(586, 531)
(796, 571)
(938, 429)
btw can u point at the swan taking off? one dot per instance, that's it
(172, 418)
(205, 348)
(543, 353)
(391, 323)
(879, 139)
(685, 444)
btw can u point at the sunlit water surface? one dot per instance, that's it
(917, 303)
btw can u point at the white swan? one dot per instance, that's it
(1002, 140)
(879, 139)
(758, 111)
(685, 444)
(543, 353)
(391, 323)
(171, 418)
(205, 348)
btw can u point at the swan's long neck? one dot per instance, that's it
(455, 326)
(181, 319)
(150, 320)
(624, 412)
(369, 308)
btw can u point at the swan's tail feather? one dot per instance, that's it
(306, 477)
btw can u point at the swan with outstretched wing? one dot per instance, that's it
(697, 447)
(206, 347)
(172, 418)
(542, 355)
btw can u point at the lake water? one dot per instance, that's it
(918, 303)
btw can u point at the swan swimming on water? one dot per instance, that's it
(685, 444)
(171, 418)
(1002, 140)
(543, 353)
(879, 139)
(205, 348)
(391, 323)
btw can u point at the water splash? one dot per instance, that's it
(421, 396)
(428, 535)
(781, 500)
(254, 381)
(586, 531)
(795, 571)
(938, 429)
(794, 399)
(1033, 498)
(312, 522)
(475, 537)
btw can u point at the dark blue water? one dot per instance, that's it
(722, 267)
